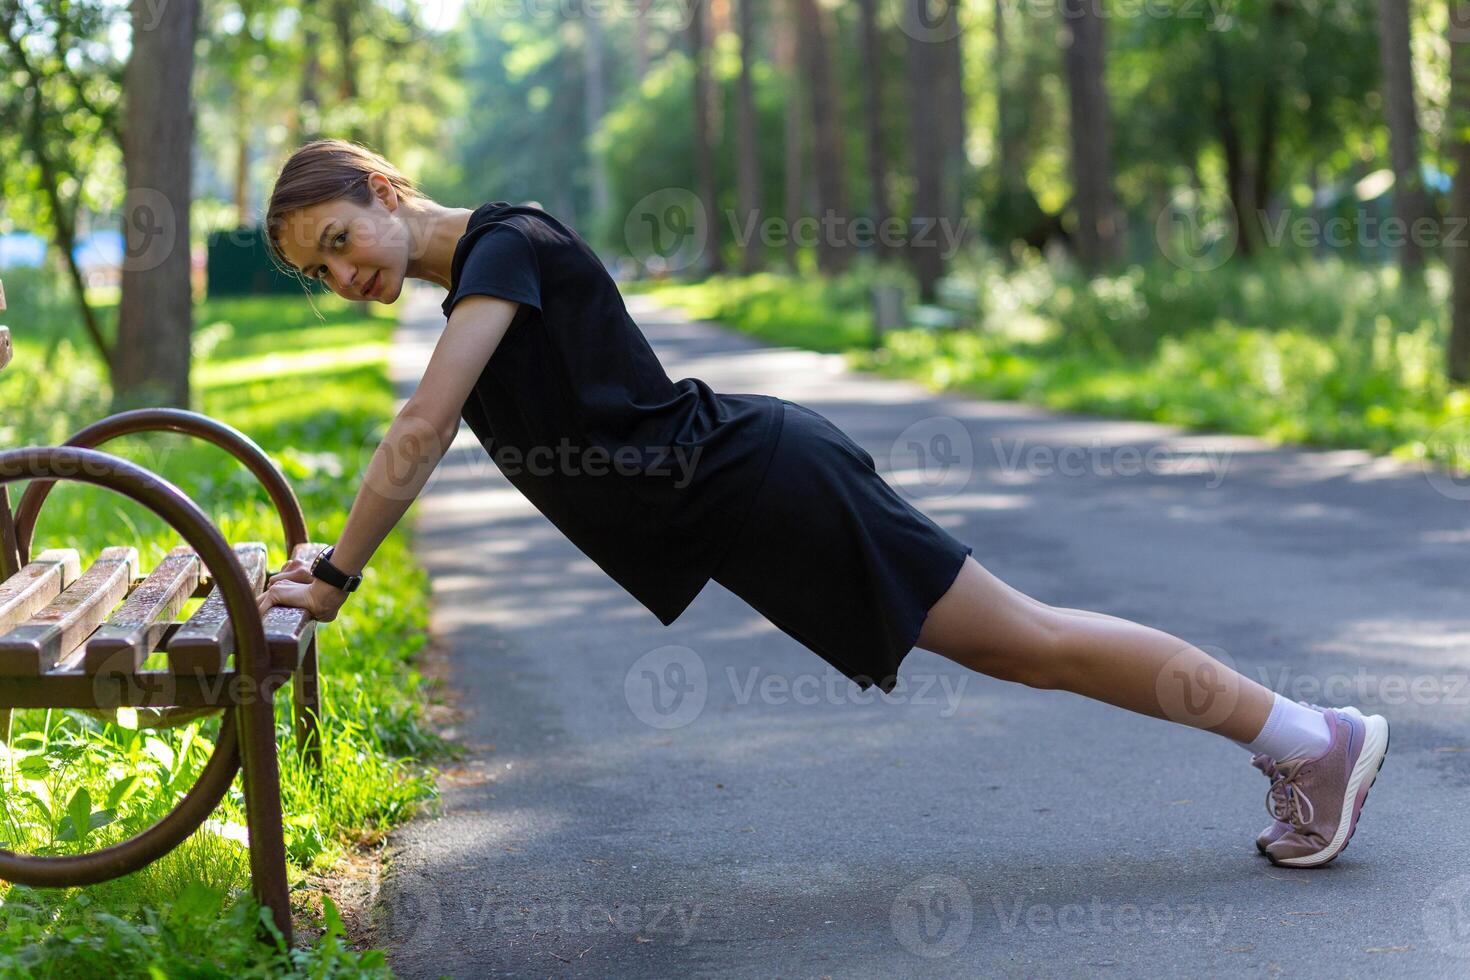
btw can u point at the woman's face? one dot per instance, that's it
(360, 252)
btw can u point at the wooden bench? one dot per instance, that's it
(85, 639)
(958, 307)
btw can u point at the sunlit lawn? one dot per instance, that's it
(315, 396)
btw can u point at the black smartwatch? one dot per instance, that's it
(325, 571)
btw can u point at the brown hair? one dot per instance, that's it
(325, 170)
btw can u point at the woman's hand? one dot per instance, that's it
(294, 586)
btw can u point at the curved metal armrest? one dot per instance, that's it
(228, 438)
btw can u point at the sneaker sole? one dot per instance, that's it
(1364, 775)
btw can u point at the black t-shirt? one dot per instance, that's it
(650, 478)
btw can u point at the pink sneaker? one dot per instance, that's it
(1320, 799)
(1279, 828)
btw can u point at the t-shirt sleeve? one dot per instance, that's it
(501, 263)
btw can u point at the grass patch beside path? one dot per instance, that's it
(1322, 353)
(316, 397)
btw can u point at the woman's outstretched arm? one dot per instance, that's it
(400, 467)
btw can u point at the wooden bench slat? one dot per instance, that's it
(288, 631)
(203, 644)
(38, 583)
(50, 634)
(137, 627)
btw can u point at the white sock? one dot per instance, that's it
(1292, 731)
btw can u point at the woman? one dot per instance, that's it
(668, 484)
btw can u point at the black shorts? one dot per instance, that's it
(835, 558)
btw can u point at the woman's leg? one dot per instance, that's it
(988, 626)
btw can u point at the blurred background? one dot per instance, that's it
(1111, 197)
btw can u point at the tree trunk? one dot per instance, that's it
(1091, 132)
(242, 167)
(872, 68)
(922, 240)
(640, 41)
(833, 253)
(704, 139)
(1410, 204)
(795, 135)
(1235, 176)
(1458, 126)
(1007, 157)
(748, 159)
(155, 315)
(595, 92)
(952, 114)
(305, 116)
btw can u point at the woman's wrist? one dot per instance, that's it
(326, 598)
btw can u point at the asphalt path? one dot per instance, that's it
(711, 799)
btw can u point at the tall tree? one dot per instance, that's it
(1091, 134)
(748, 176)
(1458, 126)
(795, 135)
(814, 46)
(952, 111)
(595, 97)
(305, 120)
(925, 148)
(704, 138)
(155, 314)
(1410, 203)
(57, 122)
(869, 50)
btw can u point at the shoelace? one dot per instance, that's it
(1285, 800)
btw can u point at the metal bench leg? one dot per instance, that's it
(10, 558)
(262, 776)
(307, 701)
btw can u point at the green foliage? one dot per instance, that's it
(1299, 352)
(71, 782)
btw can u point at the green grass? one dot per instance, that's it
(1313, 352)
(315, 396)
